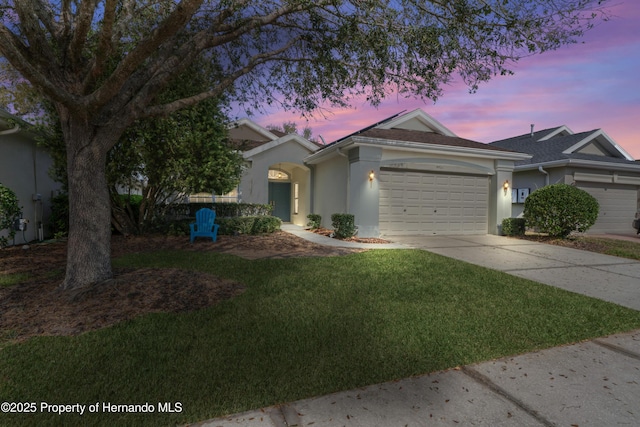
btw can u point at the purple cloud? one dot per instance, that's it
(589, 85)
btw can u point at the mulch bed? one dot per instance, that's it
(38, 306)
(329, 233)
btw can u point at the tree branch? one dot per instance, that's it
(86, 11)
(145, 48)
(105, 46)
(22, 59)
(222, 85)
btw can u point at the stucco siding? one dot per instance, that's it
(254, 185)
(330, 189)
(24, 169)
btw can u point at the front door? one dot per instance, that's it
(280, 199)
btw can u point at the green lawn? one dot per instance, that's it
(620, 248)
(304, 327)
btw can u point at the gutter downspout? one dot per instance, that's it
(546, 178)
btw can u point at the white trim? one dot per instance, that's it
(557, 132)
(419, 147)
(610, 166)
(423, 117)
(272, 144)
(440, 149)
(592, 137)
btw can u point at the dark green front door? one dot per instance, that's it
(280, 199)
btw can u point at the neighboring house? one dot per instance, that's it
(24, 168)
(590, 160)
(405, 175)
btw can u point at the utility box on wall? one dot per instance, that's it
(519, 195)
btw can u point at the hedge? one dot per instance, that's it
(513, 226)
(248, 225)
(228, 210)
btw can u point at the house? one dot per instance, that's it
(589, 160)
(24, 168)
(407, 174)
(274, 172)
(411, 175)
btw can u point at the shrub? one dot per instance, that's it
(314, 221)
(343, 225)
(248, 225)
(9, 211)
(178, 228)
(59, 219)
(266, 224)
(513, 226)
(560, 209)
(225, 210)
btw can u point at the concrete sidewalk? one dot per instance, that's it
(591, 383)
(595, 383)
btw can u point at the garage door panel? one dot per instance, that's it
(618, 204)
(456, 212)
(442, 196)
(446, 204)
(456, 196)
(441, 179)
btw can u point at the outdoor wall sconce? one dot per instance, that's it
(505, 186)
(372, 175)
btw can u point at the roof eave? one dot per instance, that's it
(415, 146)
(443, 149)
(579, 162)
(277, 142)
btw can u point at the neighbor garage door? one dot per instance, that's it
(618, 204)
(424, 203)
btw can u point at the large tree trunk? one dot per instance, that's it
(89, 243)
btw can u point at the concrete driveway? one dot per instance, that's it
(600, 276)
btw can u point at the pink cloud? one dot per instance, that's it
(585, 86)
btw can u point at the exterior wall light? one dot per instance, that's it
(505, 186)
(371, 175)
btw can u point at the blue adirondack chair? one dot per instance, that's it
(204, 226)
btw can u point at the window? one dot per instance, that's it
(278, 175)
(296, 189)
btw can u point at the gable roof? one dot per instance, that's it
(560, 146)
(292, 137)
(248, 136)
(416, 120)
(415, 130)
(428, 138)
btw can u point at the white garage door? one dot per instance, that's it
(618, 204)
(424, 203)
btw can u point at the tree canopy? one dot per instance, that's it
(102, 64)
(290, 127)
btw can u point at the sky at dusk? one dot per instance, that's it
(585, 86)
